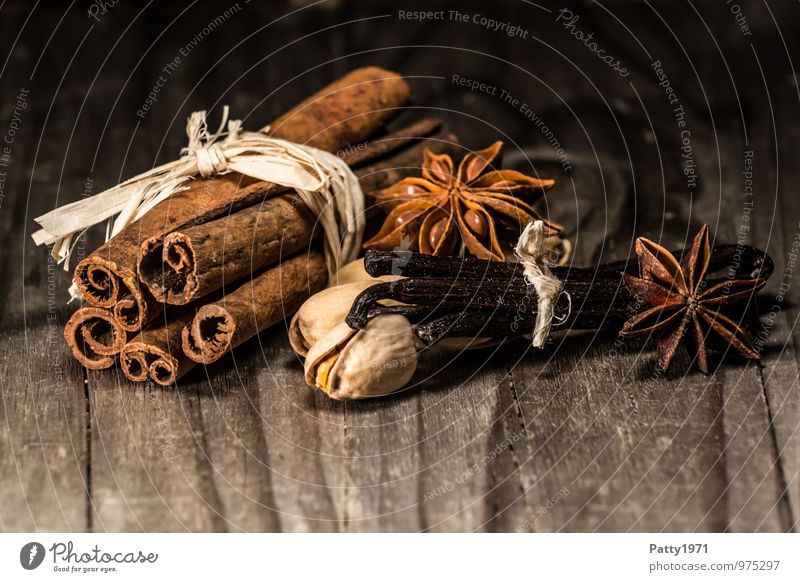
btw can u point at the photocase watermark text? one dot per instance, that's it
(65, 553)
(100, 7)
(569, 20)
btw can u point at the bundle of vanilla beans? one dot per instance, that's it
(447, 297)
(217, 263)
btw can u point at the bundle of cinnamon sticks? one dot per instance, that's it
(228, 257)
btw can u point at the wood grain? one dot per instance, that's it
(43, 457)
(583, 435)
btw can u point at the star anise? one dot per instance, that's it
(675, 291)
(443, 207)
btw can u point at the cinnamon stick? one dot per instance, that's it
(95, 337)
(199, 259)
(156, 352)
(348, 111)
(254, 306)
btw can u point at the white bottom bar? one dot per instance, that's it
(400, 557)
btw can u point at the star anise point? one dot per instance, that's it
(676, 301)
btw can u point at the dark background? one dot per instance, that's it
(261, 452)
(87, 80)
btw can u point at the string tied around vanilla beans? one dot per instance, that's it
(323, 181)
(531, 251)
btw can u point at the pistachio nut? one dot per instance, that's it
(322, 312)
(347, 364)
(328, 308)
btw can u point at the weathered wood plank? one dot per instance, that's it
(237, 444)
(581, 436)
(754, 480)
(151, 469)
(276, 446)
(43, 459)
(614, 448)
(641, 442)
(464, 447)
(383, 464)
(776, 227)
(304, 431)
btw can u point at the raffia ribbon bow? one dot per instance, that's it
(531, 250)
(323, 181)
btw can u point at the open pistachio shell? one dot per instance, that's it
(327, 346)
(374, 361)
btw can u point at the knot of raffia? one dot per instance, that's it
(207, 151)
(211, 160)
(531, 251)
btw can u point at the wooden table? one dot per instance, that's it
(580, 436)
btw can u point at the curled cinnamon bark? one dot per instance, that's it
(108, 275)
(348, 111)
(199, 259)
(254, 306)
(95, 337)
(128, 311)
(156, 353)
